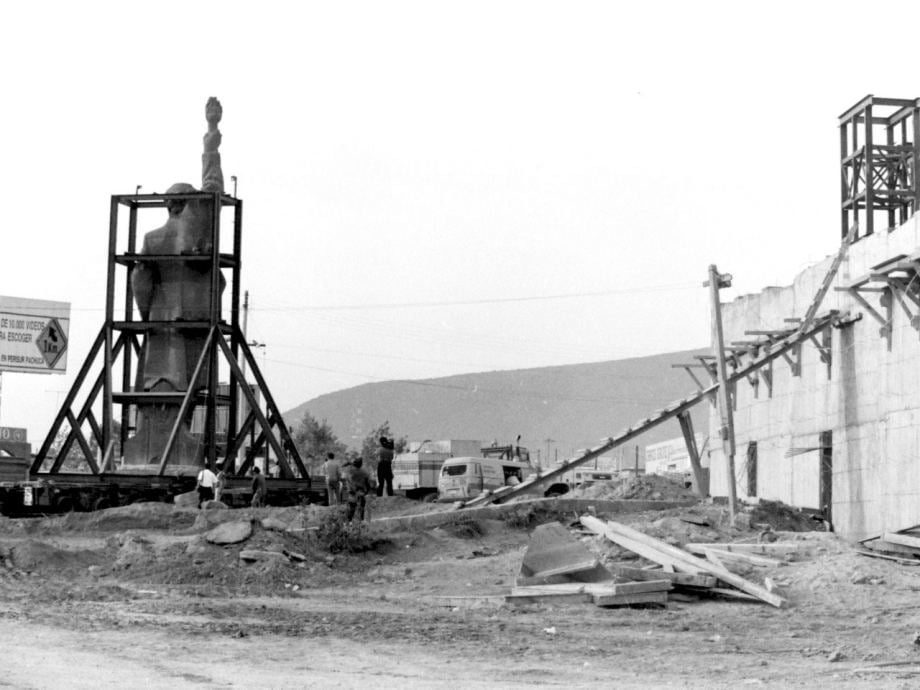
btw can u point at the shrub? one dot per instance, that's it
(335, 534)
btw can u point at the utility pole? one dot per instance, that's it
(715, 283)
(548, 441)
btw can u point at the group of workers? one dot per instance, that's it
(349, 484)
(210, 485)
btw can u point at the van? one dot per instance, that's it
(465, 478)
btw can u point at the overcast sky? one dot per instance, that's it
(437, 188)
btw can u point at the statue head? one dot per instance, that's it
(175, 206)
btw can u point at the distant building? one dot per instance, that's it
(671, 457)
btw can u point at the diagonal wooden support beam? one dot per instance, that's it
(854, 293)
(545, 477)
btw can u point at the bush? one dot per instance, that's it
(524, 518)
(335, 534)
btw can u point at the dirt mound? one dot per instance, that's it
(784, 518)
(135, 516)
(650, 487)
(37, 556)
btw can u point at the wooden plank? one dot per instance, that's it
(736, 556)
(776, 548)
(902, 561)
(595, 588)
(677, 579)
(643, 549)
(713, 557)
(554, 598)
(610, 600)
(733, 594)
(661, 585)
(902, 540)
(681, 559)
(887, 547)
(562, 588)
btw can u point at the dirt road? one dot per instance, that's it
(136, 598)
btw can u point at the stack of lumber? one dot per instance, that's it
(682, 562)
(901, 545)
(557, 568)
(560, 570)
(599, 593)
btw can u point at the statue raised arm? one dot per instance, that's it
(212, 178)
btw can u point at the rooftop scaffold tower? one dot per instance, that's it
(879, 159)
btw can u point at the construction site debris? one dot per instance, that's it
(681, 560)
(780, 517)
(230, 533)
(651, 487)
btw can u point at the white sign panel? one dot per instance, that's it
(33, 335)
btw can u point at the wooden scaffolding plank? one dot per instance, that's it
(680, 559)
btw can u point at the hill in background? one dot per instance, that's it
(554, 409)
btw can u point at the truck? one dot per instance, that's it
(416, 471)
(600, 469)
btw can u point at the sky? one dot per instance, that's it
(436, 188)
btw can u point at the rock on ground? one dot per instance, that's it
(230, 533)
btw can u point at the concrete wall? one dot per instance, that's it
(869, 399)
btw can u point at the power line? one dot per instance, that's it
(492, 300)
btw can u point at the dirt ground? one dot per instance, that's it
(137, 597)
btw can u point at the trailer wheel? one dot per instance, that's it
(430, 498)
(64, 504)
(102, 503)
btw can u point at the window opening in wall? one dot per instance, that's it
(825, 494)
(751, 467)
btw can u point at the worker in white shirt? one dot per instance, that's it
(206, 482)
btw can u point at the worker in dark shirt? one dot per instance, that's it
(385, 466)
(357, 487)
(259, 488)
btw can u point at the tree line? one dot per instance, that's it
(315, 439)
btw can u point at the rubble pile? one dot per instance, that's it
(650, 487)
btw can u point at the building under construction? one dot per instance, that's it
(834, 423)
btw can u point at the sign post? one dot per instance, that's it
(33, 336)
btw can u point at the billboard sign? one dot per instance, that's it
(33, 335)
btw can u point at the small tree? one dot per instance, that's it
(316, 439)
(372, 442)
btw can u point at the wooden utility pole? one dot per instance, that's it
(716, 281)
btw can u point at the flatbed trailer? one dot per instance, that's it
(41, 494)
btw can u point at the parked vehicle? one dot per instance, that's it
(415, 472)
(467, 477)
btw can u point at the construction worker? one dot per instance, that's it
(206, 481)
(333, 476)
(259, 488)
(357, 487)
(385, 466)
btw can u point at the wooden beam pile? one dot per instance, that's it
(902, 546)
(559, 569)
(556, 568)
(682, 561)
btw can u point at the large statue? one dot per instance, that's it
(176, 291)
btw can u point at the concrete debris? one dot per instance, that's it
(230, 533)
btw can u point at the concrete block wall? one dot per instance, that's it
(869, 400)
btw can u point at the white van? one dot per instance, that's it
(465, 478)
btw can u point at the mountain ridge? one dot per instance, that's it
(555, 409)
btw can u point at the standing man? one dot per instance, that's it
(333, 479)
(385, 466)
(357, 487)
(259, 488)
(206, 482)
